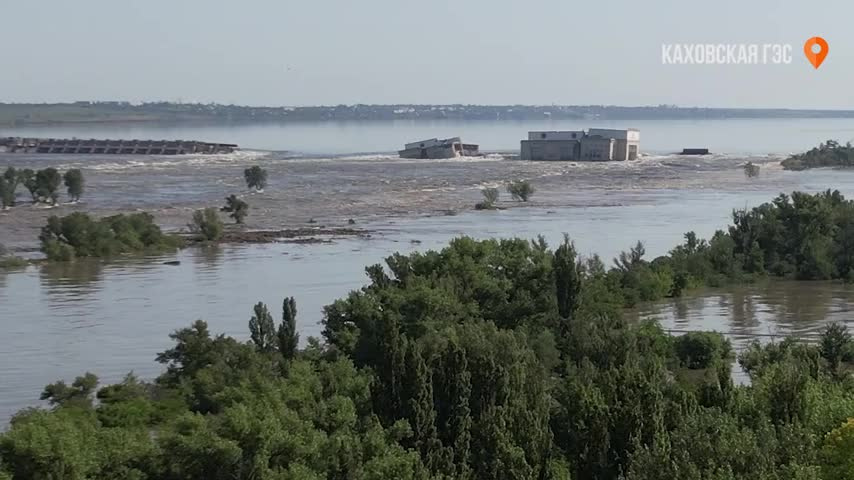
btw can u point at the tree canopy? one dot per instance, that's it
(486, 359)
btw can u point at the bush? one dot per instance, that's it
(79, 235)
(697, 350)
(751, 170)
(490, 196)
(256, 177)
(835, 344)
(47, 184)
(207, 224)
(74, 183)
(520, 190)
(7, 193)
(236, 207)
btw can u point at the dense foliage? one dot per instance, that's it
(495, 359)
(79, 235)
(828, 154)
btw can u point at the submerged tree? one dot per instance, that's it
(237, 208)
(207, 224)
(7, 193)
(27, 178)
(256, 177)
(490, 197)
(74, 183)
(751, 170)
(8, 184)
(520, 190)
(47, 184)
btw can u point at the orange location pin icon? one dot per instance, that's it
(814, 57)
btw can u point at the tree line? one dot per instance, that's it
(42, 185)
(493, 359)
(827, 154)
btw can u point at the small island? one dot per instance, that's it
(827, 154)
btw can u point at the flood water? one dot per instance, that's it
(61, 320)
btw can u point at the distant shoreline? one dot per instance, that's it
(14, 115)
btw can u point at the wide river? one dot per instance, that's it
(111, 317)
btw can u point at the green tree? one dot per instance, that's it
(74, 182)
(79, 394)
(47, 184)
(835, 344)
(207, 224)
(237, 208)
(13, 176)
(287, 336)
(568, 276)
(7, 194)
(8, 184)
(27, 178)
(261, 329)
(838, 453)
(256, 177)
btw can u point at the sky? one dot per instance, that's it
(326, 52)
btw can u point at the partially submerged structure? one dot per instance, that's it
(112, 147)
(596, 144)
(436, 148)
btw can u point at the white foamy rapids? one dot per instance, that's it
(160, 162)
(393, 158)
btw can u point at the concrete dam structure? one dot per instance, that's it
(112, 147)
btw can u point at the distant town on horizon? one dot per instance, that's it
(33, 114)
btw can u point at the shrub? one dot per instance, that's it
(207, 224)
(79, 235)
(256, 177)
(490, 196)
(74, 183)
(697, 350)
(520, 190)
(236, 207)
(7, 193)
(835, 344)
(751, 170)
(47, 183)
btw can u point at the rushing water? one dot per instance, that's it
(60, 320)
(757, 136)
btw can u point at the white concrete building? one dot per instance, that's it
(626, 142)
(597, 144)
(436, 148)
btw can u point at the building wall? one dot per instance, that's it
(555, 135)
(630, 134)
(549, 150)
(599, 144)
(430, 142)
(597, 148)
(621, 149)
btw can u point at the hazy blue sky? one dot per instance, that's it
(286, 52)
